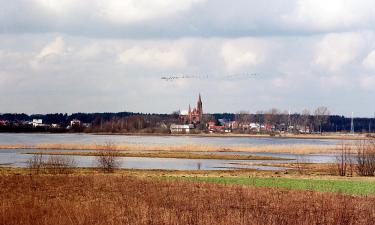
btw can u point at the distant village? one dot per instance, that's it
(190, 121)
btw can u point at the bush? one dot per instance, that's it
(55, 164)
(107, 159)
(344, 160)
(366, 158)
(35, 163)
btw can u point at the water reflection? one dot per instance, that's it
(18, 158)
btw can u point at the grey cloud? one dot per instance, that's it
(210, 18)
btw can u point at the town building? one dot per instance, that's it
(193, 116)
(181, 128)
(75, 123)
(37, 122)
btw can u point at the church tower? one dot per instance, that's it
(200, 107)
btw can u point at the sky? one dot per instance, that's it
(109, 55)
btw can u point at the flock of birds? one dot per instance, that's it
(201, 77)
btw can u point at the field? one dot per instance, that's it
(117, 199)
(352, 187)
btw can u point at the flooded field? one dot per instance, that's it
(32, 139)
(18, 157)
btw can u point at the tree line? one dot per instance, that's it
(318, 120)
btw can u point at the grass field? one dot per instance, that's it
(352, 187)
(115, 199)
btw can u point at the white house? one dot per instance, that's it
(37, 122)
(177, 128)
(75, 122)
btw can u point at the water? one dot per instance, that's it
(17, 158)
(32, 139)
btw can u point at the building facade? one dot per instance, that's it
(194, 116)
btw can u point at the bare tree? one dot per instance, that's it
(242, 117)
(272, 116)
(107, 159)
(321, 116)
(366, 158)
(305, 119)
(344, 160)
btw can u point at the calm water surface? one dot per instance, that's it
(18, 158)
(30, 139)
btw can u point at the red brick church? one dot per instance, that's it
(194, 116)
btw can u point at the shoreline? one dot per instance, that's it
(324, 136)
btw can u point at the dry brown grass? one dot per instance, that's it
(164, 154)
(98, 199)
(290, 148)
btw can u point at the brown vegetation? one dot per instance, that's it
(54, 164)
(98, 199)
(287, 148)
(366, 158)
(106, 159)
(178, 155)
(359, 157)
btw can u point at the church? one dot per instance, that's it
(193, 116)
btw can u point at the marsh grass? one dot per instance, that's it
(110, 199)
(179, 155)
(287, 148)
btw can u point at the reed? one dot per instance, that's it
(178, 155)
(287, 148)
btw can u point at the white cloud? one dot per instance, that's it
(117, 11)
(51, 53)
(367, 82)
(163, 57)
(337, 49)
(242, 53)
(55, 48)
(330, 15)
(369, 61)
(58, 6)
(131, 11)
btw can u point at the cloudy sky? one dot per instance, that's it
(109, 55)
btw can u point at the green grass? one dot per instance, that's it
(352, 187)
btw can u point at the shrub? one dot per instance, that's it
(344, 160)
(55, 164)
(366, 158)
(107, 159)
(35, 163)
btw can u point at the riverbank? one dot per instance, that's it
(329, 136)
(326, 136)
